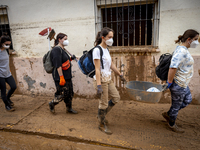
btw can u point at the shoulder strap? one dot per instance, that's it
(7, 51)
(101, 55)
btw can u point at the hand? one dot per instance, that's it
(122, 78)
(169, 84)
(73, 57)
(99, 91)
(62, 81)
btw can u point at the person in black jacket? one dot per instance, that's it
(62, 75)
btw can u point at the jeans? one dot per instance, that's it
(181, 97)
(11, 82)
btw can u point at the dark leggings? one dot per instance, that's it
(68, 92)
(10, 80)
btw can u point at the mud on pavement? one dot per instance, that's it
(134, 125)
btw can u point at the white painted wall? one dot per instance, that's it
(176, 17)
(29, 17)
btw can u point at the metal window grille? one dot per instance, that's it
(4, 22)
(135, 22)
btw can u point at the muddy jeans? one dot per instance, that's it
(109, 89)
(181, 97)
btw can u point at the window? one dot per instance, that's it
(4, 22)
(135, 22)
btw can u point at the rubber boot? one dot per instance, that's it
(69, 108)
(110, 106)
(52, 106)
(102, 125)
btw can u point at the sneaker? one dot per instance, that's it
(166, 116)
(9, 108)
(10, 102)
(51, 107)
(175, 128)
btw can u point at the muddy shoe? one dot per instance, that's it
(175, 128)
(166, 116)
(10, 102)
(9, 108)
(51, 107)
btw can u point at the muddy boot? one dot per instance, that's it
(52, 106)
(69, 108)
(7, 105)
(166, 116)
(102, 125)
(110, 106)
(175, 128)
(9, 108)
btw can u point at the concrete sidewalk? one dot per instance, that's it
(134, 125)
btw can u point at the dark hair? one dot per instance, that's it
(4, 38)
(104, 32)
(59, 36)
(187, 34)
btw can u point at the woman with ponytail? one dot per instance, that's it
(62, 74)
(102, 79)
(5, 74)
(179, 75)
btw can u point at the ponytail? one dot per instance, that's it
(179, 39)
(98, 39)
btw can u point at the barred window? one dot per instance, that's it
(135, 22)
(4, 22)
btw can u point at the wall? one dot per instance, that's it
(176, 16)
(28, 18)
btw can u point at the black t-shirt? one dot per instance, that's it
(58, 57)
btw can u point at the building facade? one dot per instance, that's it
(144, 29)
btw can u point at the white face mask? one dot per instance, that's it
(194, 44)
(6, 46)
(109, 42)
(66, 43)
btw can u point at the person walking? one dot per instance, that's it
(62, 75)
(179, 76)
(5, 74)
(102, 78)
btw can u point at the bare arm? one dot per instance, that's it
(171, 74)
(60, 71)
(97, 71)
(114, 68)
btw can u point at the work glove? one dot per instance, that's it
(122, 78)
(73, 57)
(62, 81)
(169, 84)
(99, 91)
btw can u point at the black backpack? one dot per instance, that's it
(163, 68)
(85, 62)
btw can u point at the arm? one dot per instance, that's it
(171, 74)
(114, 68)
(97, 71)
(60, 73)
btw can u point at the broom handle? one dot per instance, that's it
(49, 40)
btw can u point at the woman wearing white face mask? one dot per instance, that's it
(180, 73)
(62, 74)
(102, 78)
(5, 74)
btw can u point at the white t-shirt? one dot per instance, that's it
(106, 72)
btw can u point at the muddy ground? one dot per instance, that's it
(135, 126)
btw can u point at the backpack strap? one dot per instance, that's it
(101, 55)
(7, 51)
